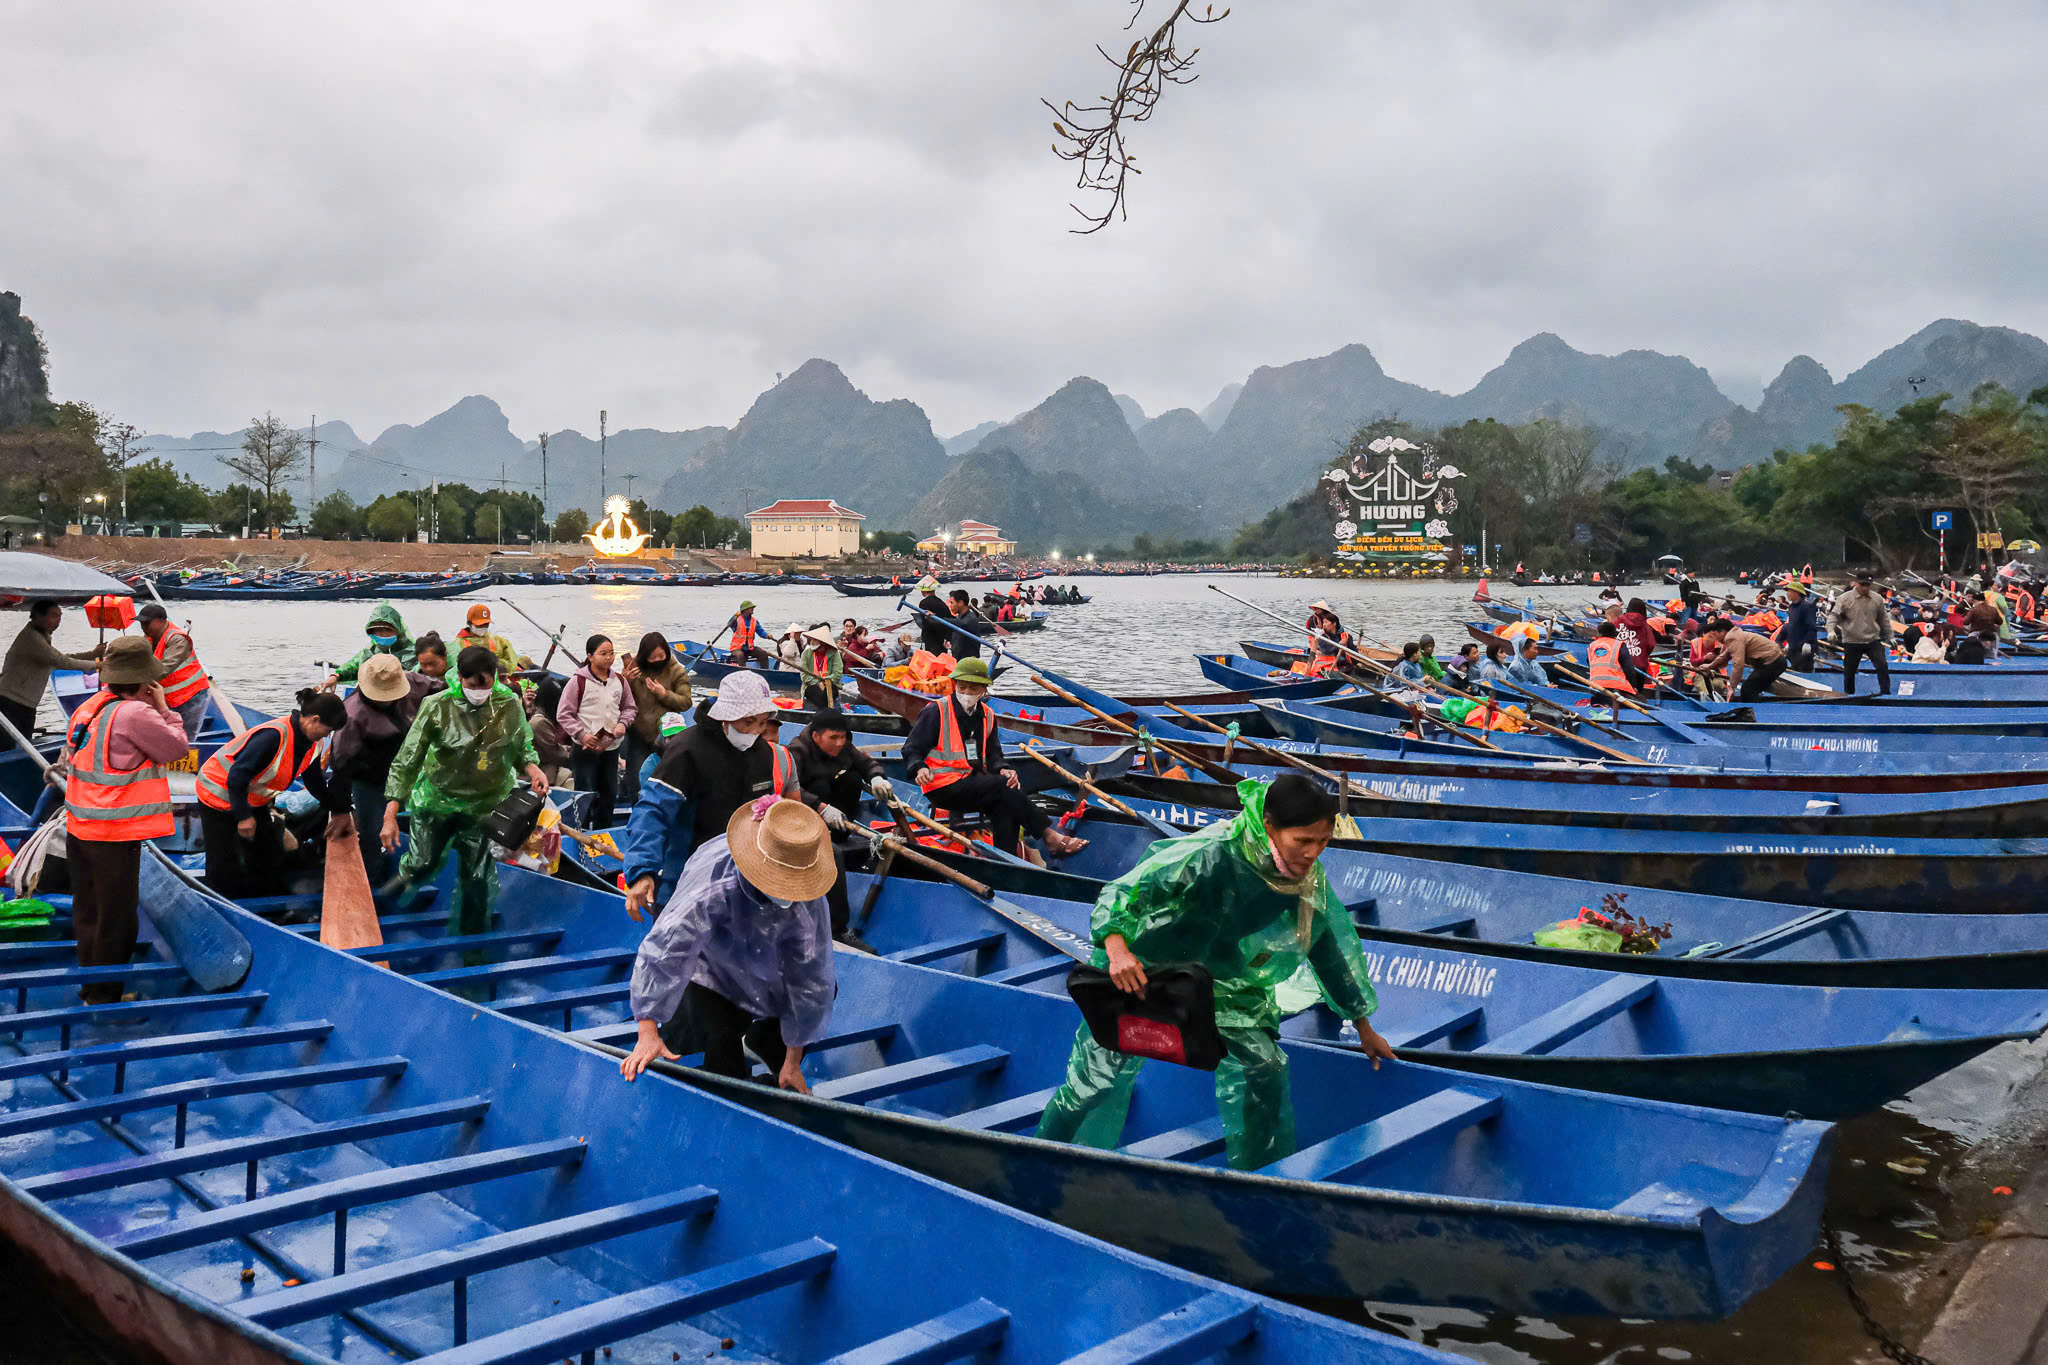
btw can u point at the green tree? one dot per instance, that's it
(505, 516)
(158, 492)
(336, 517)
(701, 526)
(395, 516)
(451, 515)
(271, 455)
(570, 525)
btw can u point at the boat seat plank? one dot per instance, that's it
(1207, 1327)
(597, 958)
(160, 1007)
(454, 943)
(853, 1037)
(11, 953)
(1005, 1116)
(1461, 927)
(882, 1082)
(1437, 1029)
(204, 1156)
(1778, 935)
(1037, 969)
(422, 920)
(74, 976)
(619, 1033)
(547, 1002)
(371, 1187)
(1346, 1154)
(563, 1335)
(283, 1307)
(966, 1330)
(1582, 1013)
(169, 1045)
(940, 949)
(1196, 1142)
(191, 1092)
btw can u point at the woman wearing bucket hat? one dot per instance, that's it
(726, 759)
(116, 796)
(742, 952)
(954, 753)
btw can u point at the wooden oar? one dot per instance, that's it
(1214, 770)
(973, 846)
(1616, 698)
(1535, 700)
(1594, 745)
(553, 637)
(1342, 785)
(1163, 830)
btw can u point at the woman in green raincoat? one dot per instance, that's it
(461, 759)
(1249, 901)
(386, 629)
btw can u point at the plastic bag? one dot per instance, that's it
(1577, 934)
(1457, 708)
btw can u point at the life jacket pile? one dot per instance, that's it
(925, 672)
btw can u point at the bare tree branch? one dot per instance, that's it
(1092, 135)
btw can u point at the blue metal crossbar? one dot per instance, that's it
(1005, 1116)
(283, 1307)
(454, 943)
(1460, 926)
(182, 1093)
(1582, 1013)
(205, 1156)
(1351, 1151)
(1778, 935)
(644, 1310)
(943, 948)
(531, 966)
(1195, 1142)
(1037, 969)
(884, 1081)
(1438, 1029)
(161, 1007)
(576, 998)
(866, 1033)
(1207, 1327)
(11, 953)
(330, 1196)
(429, 920)
(75, 976)
(970, 1328)
(170, 1045)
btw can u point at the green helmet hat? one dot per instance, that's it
(971, 671)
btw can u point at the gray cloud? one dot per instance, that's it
(371, 210)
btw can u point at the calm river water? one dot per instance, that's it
(1975, 1128)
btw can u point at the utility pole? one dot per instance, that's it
(629, 486)
(312, 461)
(543, 476)
(499, 505)
(600, 458)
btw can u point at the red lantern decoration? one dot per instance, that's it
(108, 612)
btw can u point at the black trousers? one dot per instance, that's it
(711, 1024)
(1874, 651)
(1756, 683)
(1008, 809)
(596, 770)
(104, 876)
(239, 868)
(22, 717)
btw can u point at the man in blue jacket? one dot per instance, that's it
(1801, 630)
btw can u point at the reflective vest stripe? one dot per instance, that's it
(1603, 664)
(948, 761)
(104, 805)
(188, 680)
(785, 769)
(282, 770)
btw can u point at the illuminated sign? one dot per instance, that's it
(1382, 508)
(616, 537)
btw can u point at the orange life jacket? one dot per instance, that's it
(188, 680)
(785, 768)
(1806, 575)
(283, 769)
(102, 804)
(1603, 665)
(743, 634)
(948, 762)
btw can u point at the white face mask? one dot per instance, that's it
(968, 704)
(742, 740)
(476, 696)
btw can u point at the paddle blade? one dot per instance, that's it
(191, 927)
(348, 914)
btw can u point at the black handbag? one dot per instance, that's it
(515, 817)
(1173, 1021)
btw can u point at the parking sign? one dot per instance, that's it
(1943, 521)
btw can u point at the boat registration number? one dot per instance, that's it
(188, 764)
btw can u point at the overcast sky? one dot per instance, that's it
(372, 209)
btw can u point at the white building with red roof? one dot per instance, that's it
(804, 528)
(968, 538)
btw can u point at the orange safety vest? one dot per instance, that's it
(1603, 665)
(189, 679)
(283, 770)
(2024, 607)
(102, 804)
(743, 634)
(947, 762)
(1806, 575)
(785, 768)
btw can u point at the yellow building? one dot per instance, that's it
(968, 538)
(804, 528)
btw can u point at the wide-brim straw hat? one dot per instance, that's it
(382, 678)
(741, 694)
(822, 636)
(785, 852)
(927, 585)
(130, 659)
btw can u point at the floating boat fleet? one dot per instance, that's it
(423, 1149)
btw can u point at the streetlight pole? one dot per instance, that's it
(601, 415)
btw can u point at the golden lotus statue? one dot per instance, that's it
(616, 537)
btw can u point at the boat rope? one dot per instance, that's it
(1888, 1344)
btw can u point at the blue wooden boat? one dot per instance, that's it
(434, 588)
(1260, 680)
(711, 663)
(325, 1162)
(1718, 1044)
(1688, 1212)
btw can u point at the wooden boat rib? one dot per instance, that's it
(186, 1167)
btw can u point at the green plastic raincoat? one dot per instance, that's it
(1217, 898)
(460, 759)
(387, 615)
